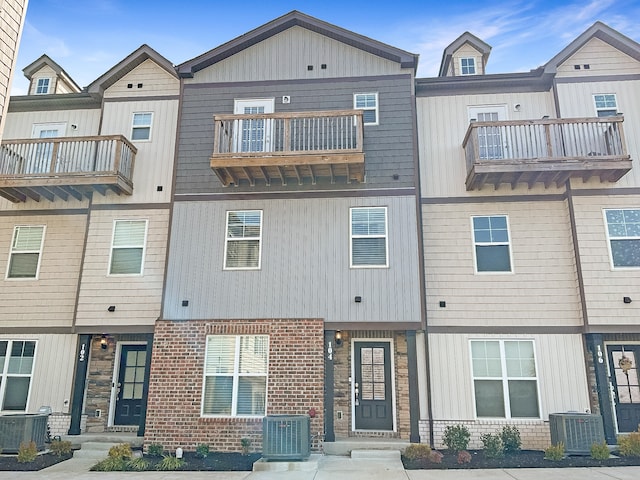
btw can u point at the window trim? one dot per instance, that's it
(605, 109)
(505, 378)
(235, 376)
(376, 108)
(149, 126)
(385, 236)
(462, 67)
(4, 374)
(144, 247)
(37, 86)
(11, 252)
(227, 240)
(508, 243)
(610, 239)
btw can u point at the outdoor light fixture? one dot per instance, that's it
(111, 308)
(103, 342)
(338, 338)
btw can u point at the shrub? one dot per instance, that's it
(456, 437)
(27, 452)
(60, 447)
(245, 443)
(122, 451)
(555, 452)
(464, 457)
(202, 450)
(138, 464)
(493, 446)
(600, 451)
(629, 445)
(417, 451)
(110, 464)
(169, 462)
(435, 457)
(155, 450)
(510, 436)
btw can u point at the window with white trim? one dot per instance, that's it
(623, 233)
(243, 240)
(16, 369)
(468, 66)
(505, 381)
(235, 376)
(369, 246)
(26, 251)
(42, 86)
(368, 102)
(606, 105)
(141, 126)
(128, 247)
(491, 243)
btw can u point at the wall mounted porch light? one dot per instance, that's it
(338, 338)
(103, 342)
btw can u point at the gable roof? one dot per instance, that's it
(291, 19)
(597, 30)
(134, 59)
(31, 69)
(466, 37)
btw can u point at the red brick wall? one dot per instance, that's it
(294, 386)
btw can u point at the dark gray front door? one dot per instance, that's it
(372, 388)
(623, 368)
(130, 384)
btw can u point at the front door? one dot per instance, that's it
(372, 388)
(130, 385)
(39, 159)
(253, 135)
(624, 377)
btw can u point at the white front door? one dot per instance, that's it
(491, 140)
(39, 159)
(253, 135)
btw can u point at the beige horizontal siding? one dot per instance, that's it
(154, 79)
(20, 124)
(602, 58)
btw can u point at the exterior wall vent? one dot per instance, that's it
(578, 431)
(286, 437)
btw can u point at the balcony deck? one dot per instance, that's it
(65, 167)
(283, 147)
(548, 151)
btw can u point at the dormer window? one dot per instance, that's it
(467, 66)
(42, 87)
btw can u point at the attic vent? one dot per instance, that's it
(129, 85)
(139, 85)
(586, 66)
(309, 67)
(576, 67)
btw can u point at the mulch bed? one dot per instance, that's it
(215, 461)
(523, 459)
(10, 462)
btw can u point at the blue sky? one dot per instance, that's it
(87, 39)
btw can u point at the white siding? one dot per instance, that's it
(602, 58)
(466, 51)
(154, 79)
(20, 124)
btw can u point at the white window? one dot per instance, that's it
(42, 86)
(491, 243)
(16, 368)
(127, 247)
(623, 232)
(235, 375)
(467, 66)
(606, 105)
(141, 126)
(369, 237)
(369, 103)
(26, 250)
(505, 382)
(243, 242)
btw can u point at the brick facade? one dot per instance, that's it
(295, 384)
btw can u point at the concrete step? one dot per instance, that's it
(375, 454)
(309, 465)
(97, 450)
(345, 446)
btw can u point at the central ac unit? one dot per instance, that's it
(578, 431)
(286, 437)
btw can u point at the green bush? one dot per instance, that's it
(169, 462)
(493, 446)
(629, 444)
(417, 451)
(60, 447)
(600, 451)
(245, 443)
(510, 436)
(155, 450)
(555, 452)
(456, 437)
(122, 451)
(27, 452)
(138, 464)
(110, 464)
(464, 457)
(202, 450)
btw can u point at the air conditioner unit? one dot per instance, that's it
(286, 437)
(578, 431)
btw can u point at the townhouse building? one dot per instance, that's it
(530, 207)
(85, 180)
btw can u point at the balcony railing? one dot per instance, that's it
(65, 166)
(288, 146)
(548, 151)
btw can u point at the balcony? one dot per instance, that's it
(65, 167)
(548, 151)
(283, 147)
